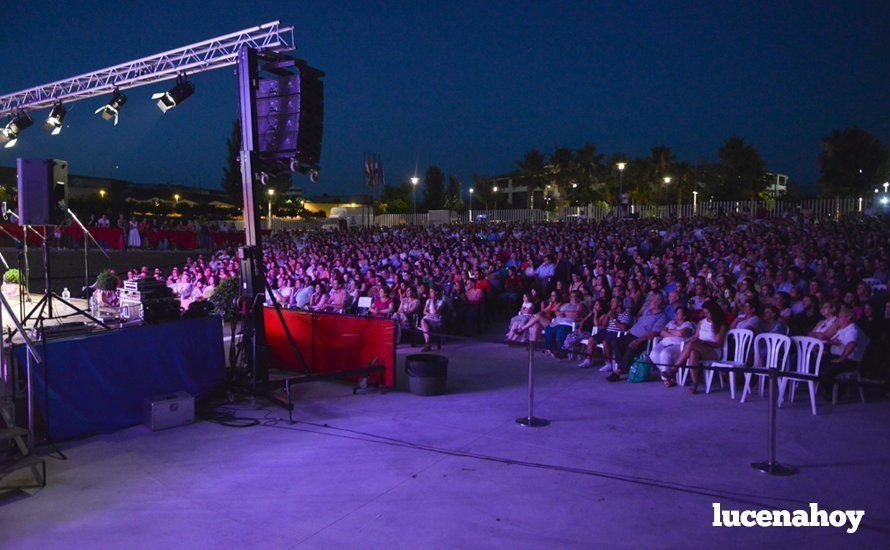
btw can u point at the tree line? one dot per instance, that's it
(852, 163)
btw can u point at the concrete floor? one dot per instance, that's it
(622, 465)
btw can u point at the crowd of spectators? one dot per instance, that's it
(688, 280)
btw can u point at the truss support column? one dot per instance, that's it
(253, 281)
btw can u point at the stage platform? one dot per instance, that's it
(622, 465)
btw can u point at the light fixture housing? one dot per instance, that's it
(112, 109)
(53, 123)
(176, 95)
(10, 133)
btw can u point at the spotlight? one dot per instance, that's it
(10, 132)
(53, 123)
(176, 95)
(111, 109)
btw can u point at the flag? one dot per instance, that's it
(369, 179)
(380, 169)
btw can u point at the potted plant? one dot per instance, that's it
(223, 298)
(106, 289)
(11, 280)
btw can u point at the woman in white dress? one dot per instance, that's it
(134, 240)
(666, 351)
(706, 344)
(525, 313)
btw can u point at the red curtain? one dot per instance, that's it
(331, 342)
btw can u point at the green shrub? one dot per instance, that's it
(107, 280)
(12, 276)
(223, 297)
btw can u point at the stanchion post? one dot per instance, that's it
(530, 421)
(772, 467)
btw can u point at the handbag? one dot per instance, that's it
(640, 369)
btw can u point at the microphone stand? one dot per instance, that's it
(24, 295)
(86, 244)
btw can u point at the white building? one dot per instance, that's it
(776, 185)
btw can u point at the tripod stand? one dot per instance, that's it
(45, 304)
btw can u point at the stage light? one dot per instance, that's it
(111, 109)
(177, 94)
(10, 132)
(53, 123)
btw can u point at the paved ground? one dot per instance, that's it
(622, 465)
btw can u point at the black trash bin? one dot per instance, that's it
(427, 373)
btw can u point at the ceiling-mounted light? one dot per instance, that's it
(111, 109)
(177, 94)
(53, 123)
(17, 123)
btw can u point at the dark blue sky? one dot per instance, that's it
(472, 85)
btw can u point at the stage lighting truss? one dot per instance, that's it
(112, 109)
(176, 95)
(56, 117)
(207, 55)
(10, 133)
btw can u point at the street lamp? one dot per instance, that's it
(176, 197)
(414, 181)
(271, 193)
(694, 203)
(667, 180)
(621, 166)
(102, 193)
(886, 185)
(471, 204)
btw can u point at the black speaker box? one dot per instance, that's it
(43, 191)
(290, 115)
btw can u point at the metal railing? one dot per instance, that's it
(816, 208)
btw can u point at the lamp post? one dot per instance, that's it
(694, 203)
(886, 185)
(471, 205)
(270, 193)
(621, 166)
(494, 191)
(414, 181)
(176, 197)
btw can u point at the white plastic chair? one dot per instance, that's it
(847, 377)
(742, 348)
(775, 357)
(809, 358)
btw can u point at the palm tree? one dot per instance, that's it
(564, 168)
(533, 173)
(590, 168)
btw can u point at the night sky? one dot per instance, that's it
(471, 85)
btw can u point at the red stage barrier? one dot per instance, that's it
(330, 342)
(221, 239)
(181, 239)
(17, 231)
(112, 237)
(116, 239)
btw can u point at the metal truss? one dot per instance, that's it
(195, 58)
